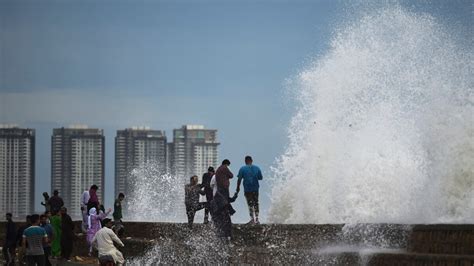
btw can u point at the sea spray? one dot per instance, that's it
(198, 246)
(384, 128)
(155, 196)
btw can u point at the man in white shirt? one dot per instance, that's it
(104, 240)
(84, 200)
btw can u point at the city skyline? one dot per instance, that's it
(78, 156)
(230, 65)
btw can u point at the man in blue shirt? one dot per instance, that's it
(250, 174)
(46, 245)
(33, 239)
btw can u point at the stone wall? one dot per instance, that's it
(442, 239)
(302, 244)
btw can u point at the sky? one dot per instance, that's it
(163, 64)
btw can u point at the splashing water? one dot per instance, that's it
(155, 196)
(384, 128)
(383, 134)
(201, 246)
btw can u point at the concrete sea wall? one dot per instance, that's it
(329, 244)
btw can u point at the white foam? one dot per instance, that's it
(154, 196)
(384, 128)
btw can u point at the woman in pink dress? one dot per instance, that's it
(94, 225)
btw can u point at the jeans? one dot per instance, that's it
(35, 260)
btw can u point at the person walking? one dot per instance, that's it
(94, 225)
(104, 240)
(191, 199)
(56, 202)
(33, 239)
(9, 246)
(47, 245)
(206, 183)
(251, 174)
(223, 176)
(67, 234)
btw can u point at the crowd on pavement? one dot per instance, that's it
(51, 235)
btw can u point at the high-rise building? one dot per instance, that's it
(17, 170)
(77, 162)
(135, 147)
(193, 150)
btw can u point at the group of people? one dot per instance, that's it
(215, 186)
(42, 236)
(52, 233)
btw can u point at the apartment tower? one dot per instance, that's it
(135, 147)
(17, 170)
(193, 150)
(77, 162)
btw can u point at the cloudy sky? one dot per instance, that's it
(116, 64)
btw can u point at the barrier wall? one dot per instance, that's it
(329, 244)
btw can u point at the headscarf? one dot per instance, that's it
(92, 212)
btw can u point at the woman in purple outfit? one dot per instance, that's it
(94, 225)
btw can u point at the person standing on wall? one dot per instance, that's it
(93, 198)
(206, 184)
(84, 200)
(251, 174)
(118, 225)
(55, 202)
(223, 176)
(45, 203)
(191, 199)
